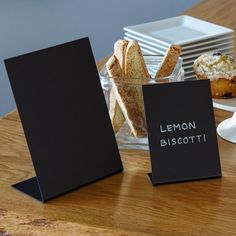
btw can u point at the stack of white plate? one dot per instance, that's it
(193, 35)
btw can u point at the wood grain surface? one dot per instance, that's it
(126, 203)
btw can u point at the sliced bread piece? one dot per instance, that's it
(169, 61)
(125, 95)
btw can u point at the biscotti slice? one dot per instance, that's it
(136, 71)
(117, 117)
(115, 112)
(120, 47)
(169, 61)
(135, 67)
(125, 95)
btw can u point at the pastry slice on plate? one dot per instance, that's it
(220, 69)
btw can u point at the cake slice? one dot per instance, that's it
(169, 61)
(220, 69)
(125, 94)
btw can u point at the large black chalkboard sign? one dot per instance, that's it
(65, 118)
(181, 131)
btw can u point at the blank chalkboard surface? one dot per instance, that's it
(64, 117)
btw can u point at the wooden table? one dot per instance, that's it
(126, 203)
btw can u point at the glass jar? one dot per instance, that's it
(125, 138)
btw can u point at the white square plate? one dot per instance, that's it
(225, 48)
(187, 61)
(203, 43)
(212, 47)
(178, 30)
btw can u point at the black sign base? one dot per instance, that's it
(150, 178)
(180, 181)
(30, 187)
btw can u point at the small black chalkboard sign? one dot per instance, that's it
(64, 117)
(181, 131)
